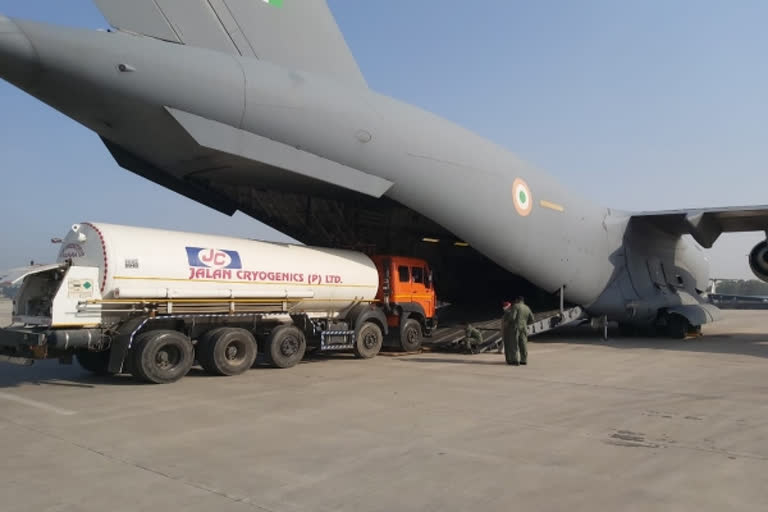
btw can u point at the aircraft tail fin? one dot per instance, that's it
(297, 34)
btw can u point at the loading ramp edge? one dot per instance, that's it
(493, 340)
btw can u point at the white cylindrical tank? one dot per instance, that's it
(141, 263)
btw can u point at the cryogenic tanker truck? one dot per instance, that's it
(149, 302)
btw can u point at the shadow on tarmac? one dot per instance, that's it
(411, 359)
(748, 344)
(51, 373)
(738, 336)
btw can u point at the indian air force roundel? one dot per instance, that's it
(521, 195)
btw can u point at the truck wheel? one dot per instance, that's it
(226, 351)
(202, 341)
(368, 341)
(410, 335)
(94, 362)
(162, 357)
(286, 346)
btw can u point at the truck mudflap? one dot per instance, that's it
(20, 345)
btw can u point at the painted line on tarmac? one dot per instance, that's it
(34, 403)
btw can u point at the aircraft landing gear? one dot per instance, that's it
(667, 326)
(627, 330)
(678, 327)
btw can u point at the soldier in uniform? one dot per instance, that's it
(521, 316)
(472, 337)
(507, 334)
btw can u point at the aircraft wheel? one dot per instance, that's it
(162, 357)
(286, 346)
(410, 335)
(94, 362)
(226, 351)
(368, 341)
(677, 327)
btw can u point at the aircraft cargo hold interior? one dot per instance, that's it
(462, 276)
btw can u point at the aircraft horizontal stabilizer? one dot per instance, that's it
(707, 224)
(228, 139)
(296, 34)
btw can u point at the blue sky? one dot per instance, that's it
(637, 104)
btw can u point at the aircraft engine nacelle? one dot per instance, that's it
(758, 260)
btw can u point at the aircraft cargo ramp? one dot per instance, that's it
(451, 337)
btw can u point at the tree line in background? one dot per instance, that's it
(742, 287)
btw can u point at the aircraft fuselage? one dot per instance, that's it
(131, 90)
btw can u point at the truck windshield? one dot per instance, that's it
(403, 274)
(418, 275)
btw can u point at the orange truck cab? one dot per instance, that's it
(407, 294)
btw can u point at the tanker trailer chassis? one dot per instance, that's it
(161, 348)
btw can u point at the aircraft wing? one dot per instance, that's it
(297, 34)
(233, 141)
(707, 224)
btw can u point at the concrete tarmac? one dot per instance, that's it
(628, 424)
(6, 309)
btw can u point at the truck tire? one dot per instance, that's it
(161, 357)
(368, 341)
(203, 340)
(94, 362)
(226, 351)
(286, 346)
(410, 335)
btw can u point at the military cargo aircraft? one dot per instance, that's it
(259, 106)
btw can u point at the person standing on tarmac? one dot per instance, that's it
(521, 316)
(507, 334)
